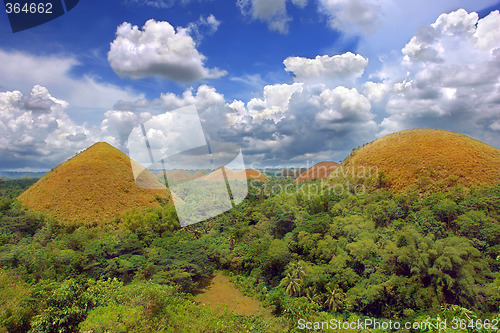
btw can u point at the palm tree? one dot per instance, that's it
(335, 298)
(312, 295)
(294, 279)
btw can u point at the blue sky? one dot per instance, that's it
(292, 82)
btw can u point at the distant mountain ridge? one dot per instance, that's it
(21, 174)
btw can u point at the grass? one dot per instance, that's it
(94, 186)
(222, 292)
(318, 171)
(249, 174)
(420, 157)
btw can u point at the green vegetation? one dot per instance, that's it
(306, 254)
(14, 187)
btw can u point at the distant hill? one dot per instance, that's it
(95, 185)
(177, 175)
(200, 173)
(318, 171)
(250, 174)
(292, 172)
(253, 174)
(428, 156)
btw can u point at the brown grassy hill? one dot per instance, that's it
(250, 174)
(200, 173)
(95, 185)
(318, 171)
(253, 174)
(424, 157)
(177, 175)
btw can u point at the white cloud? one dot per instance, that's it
(152, 3)
(210, 105)
(352, 16)
(273, 106)
(26, 70)
(452, 70)
(161, 4)
(488, 32)
(374, 91)
(204, 26)
(340, 106)
(158, 49)
(273, 12)
(334, 70)
(399, 20)
(117, 125)
(299, 123)
(35, 127)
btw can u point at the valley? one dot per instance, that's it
(420, 249)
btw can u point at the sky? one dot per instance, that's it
(291, 82)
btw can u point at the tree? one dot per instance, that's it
(335, 298)
(294, 279)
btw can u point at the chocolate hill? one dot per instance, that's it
(94, 186)
(200, 173)
(250, 174)
(318, 171)
(177, 175)
(424, 157)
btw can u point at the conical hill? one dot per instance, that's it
(93, 186)
(318, 171)
(427, 157)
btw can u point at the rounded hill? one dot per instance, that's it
(247, 174)
(318, 171)
(177, 175)
(96, 185)
(427, 157)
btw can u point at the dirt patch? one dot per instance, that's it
(222, 293)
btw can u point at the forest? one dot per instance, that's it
(306, 255)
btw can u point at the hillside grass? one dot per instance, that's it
(94, 186)
(318, 171)
(249, 174)
(423, 158)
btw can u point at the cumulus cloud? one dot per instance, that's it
(37, 132)
(375, 91)
(210, 105)
(447, 77)
(159, 50)
(35, 127)
(117, 125)
(301, 123)
(273, 106)
(338, 69)
(340, 106)
(291, 122)
(25, 70)
(273, 12)
(451, 78)
(352, 16)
